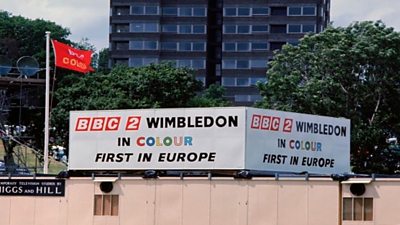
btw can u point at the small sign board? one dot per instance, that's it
(32, 187)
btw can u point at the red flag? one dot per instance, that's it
(72, 58)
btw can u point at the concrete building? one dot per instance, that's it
(228, 42)
(123, 200)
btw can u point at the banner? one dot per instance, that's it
(72, 58)
(296, 142)
(231, 138)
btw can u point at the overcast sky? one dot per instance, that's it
(90, 18)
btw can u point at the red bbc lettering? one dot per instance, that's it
(287, 125)
(82, 124)
(113, 123)
(255, 122)
(98, 123)
(266, 123)
(133, 123)
(275, 122)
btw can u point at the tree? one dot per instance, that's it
(20, 36)
(213, 96)
(153, 86)
(102, 65)
(350, 72)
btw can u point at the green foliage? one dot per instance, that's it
(20, 36)
(213, 96)
(153, 86)
(350, 72)
(102, 64)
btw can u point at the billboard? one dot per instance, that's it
(205, 138)
(231, 138)
(284, 141)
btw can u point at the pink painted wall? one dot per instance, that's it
(191, 201)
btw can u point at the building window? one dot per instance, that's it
(239, 46)
(170, 28)
(243, 29)
(242, 64)
(191, 63)
(106, 205)
(233, 11)
(242, 81)
(198, 64)
(235, 64)
(229, 29)
(301, 28)
(228, 64)
(230, 12)
(199, 29)
(294, 11)
(144, 27)
(276, 45)
(228, 81)
(150, 45)
(144, 10)
(185, 46)
(229, 46)
(258, 46)
(144, 45)
(121, 10)
(243, 11)
(279, 11)
(294, 28)
(260, 11)
(121, 45)
(278, 28)
(121, 28)
(306, 28)
(198, 46)
(139, 62)
(258, 63)
(192, 11)
(309, 11)
(121, 61)
(259, 28)
(243, 47)
(198, 11)
(169, 46)
(242, 98)
(185, 29)
(358, 209)
(185, 11)
(301, 11)
(138, 10)
(151, 10)
(170, 11)
(255, 80)
(254, 98)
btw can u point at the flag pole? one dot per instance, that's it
(46, 108)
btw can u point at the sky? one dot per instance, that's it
(90, 18)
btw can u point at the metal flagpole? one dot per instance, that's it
(46, 108)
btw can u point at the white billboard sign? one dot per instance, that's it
(207, 138)
(284, 141)
(231, 138)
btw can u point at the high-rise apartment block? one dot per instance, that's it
(228, 42)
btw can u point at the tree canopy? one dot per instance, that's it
(20, 36)
(351, 72)
(153, 86)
